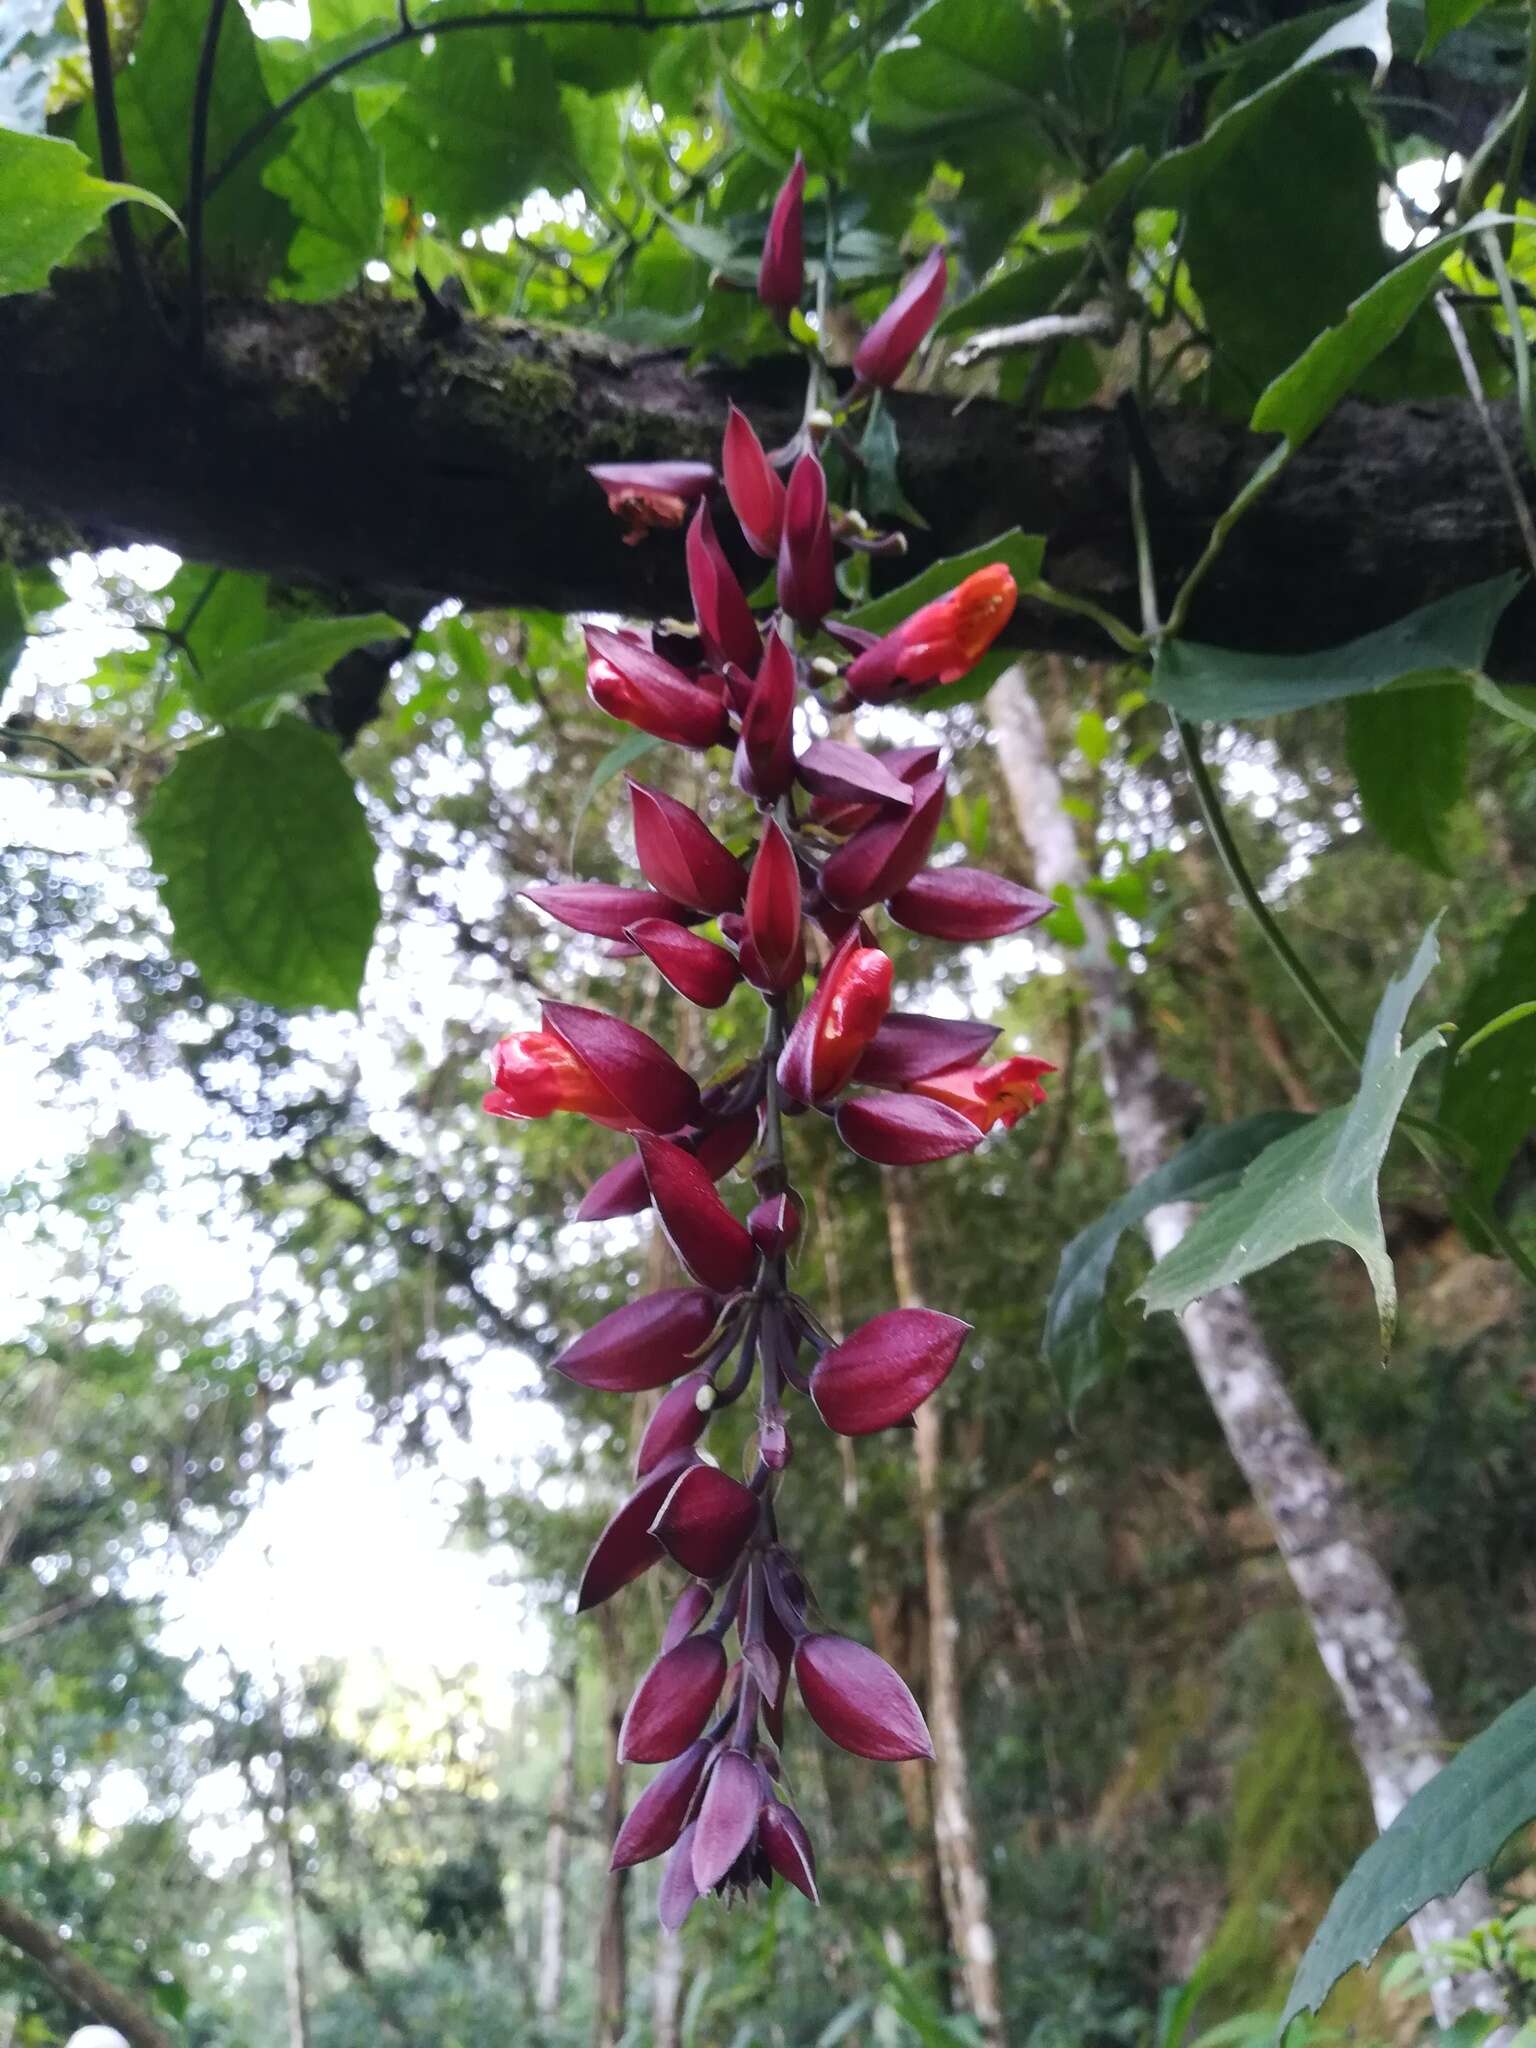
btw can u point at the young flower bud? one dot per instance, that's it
(648, 494)
(883, 857)
(775, 1225)
(904, 1130)
(626, 1547)
(891, 343)
(753, 486)
(646, 1343)
(908, 1047)
(807, 583)
(673, 1702)
(831, 1033)
(998, 1094)
(656, 1819)
(680, 856)
(701, 972)
(726, 624)
(537, 1073)
(781, 272)
(773, 910)
(940, 642)
(788, 1847)
(884, 1371)
(966, 904)
(655, 1092)
(677, 1893)
(678, 1423)
(857, 1699)
(704, 1524)
(631, 682)
(707, 1238)
(727, 1820)
(688, 1610)
(601, 908)
(765, 755)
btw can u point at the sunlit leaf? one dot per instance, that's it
(51, 202)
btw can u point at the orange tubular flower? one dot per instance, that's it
(536, 1074)
(942, 641)
(996, 1094)
(833, 1031)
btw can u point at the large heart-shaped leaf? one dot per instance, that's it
(1319, 1184)
(51, 204)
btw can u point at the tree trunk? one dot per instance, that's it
(1355, 1615)
(613, 1928)
(551, 1981)
(667, 1991)
(75, 1980)
(967, 1906)
(294, 1973)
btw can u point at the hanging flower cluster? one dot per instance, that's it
(838, 832)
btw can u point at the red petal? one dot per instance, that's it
(714, 1245)
(773, 908)
(677, 1424)
(753, 487)
(807, 581)
(727, 1144)
(677, 479)
(781, 271)
(882, 858)
(775, 1224)
(890, 344)
(634, 683)
(903, 1130)
(656, 1819)
(675, 1899)
(967, 903)
(788, 1847)
(647, 1080)
(837, 1024)
(602, 908)
(829, 769)
(697, 968)
(688, 1610)
(672, 1702)
(703, 1525)
(909, 1047)
(680, 856)
(621, 1191)
(727, 1821)
(644, 1344)
(725, 618)
(879, 1375)
(858, 1700)
(626, 1547)
(765, 756)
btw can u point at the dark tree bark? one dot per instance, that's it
(339, 446)
(75, 1979)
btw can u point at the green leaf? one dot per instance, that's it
(51, 203)
(268, 866)
(1319, 1184)
(301, 653)
(1442, 17)
(774, 124)
(1444, 641)
(881, 450)
(1021, 294)
(962, 65)
(1453, 1826)
(1080, 1343)
(1301, 397)
(332, 177)
(1023, 553)
(1408, 750)
(14, 623)
(619, 757)
(1490, 1102)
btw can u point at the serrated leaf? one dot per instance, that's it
(1453, 1826)
(1023, 552)
(1443, 642)
(774, 124)
(332, 177)
(301, 653)
(1079, 1342)
(51, 203)
(1319, 1184)
(962, 65)
(267, 866)
(1490, 1101)
(1408, 751)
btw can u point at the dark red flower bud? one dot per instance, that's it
(908, 1047)
(848, 774)
(727, 1144)
(688, 1610)
(753, 486)
(765, 754)
(998, 1094)
(656, 1819)
(727, 1817)
(620, 1191)
(857, 1699)
(942, 641)
(655, 1092)
(773, 910)
(647, 494)
(681, 857)
(704, 1525)
(681, 1418)
(904, 1130)
(807, 582)
(843, 1015)
(677, 1893)
(781, 273)
(893, 340)
(672, 1702)
(884, 1371)
(713, 1245)
(884, 856)
(697, 968)
(788, 1847)
(966, 904)
(775, 1225)
(537, 1073)
(629, 681)
(726, 624)
(603, 908)
(644, 1344)
(626, 1547)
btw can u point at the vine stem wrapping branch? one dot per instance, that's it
(197, 182)
(98, 35)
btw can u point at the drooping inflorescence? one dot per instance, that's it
(837, 832)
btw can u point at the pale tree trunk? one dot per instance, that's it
(967, 1905)
(613, 1928)
(1356, 1618)
(294, 1974)
(667, 1991)
(551, 1980)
